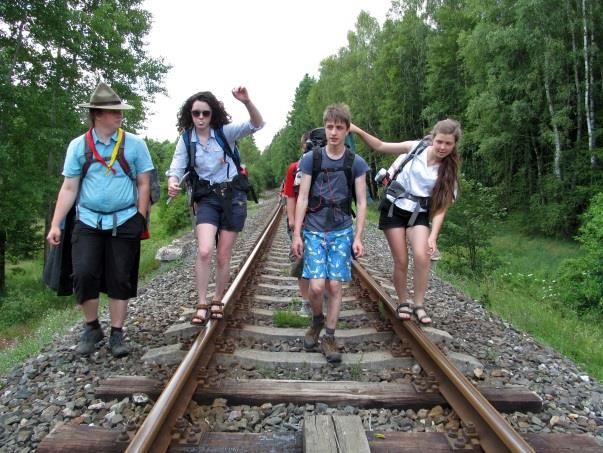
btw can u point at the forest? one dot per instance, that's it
(524, 78)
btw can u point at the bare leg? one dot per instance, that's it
(118, 310)
(304, 287)
(315, 290)
(206, 234)
(396, 238)
(334, 289)
(225, 246)
(90, 309)
(418, 236)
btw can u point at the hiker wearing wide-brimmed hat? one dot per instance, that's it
(104, 98)
(107, 181)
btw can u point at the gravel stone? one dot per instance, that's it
(57, 386)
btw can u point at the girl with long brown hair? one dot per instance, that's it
(423, 186)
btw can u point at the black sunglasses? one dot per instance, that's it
(197, 113)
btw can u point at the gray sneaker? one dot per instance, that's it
(117, 346)
(305, 310)
(330, 349)
(88, 341)
(311, 337)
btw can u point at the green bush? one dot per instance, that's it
(581, 280)
(175, 216)
(469, 225)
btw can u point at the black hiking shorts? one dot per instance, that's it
(400, 218)
(106, 263)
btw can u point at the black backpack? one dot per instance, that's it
(316, 203)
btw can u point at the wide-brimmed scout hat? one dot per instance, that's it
(105, 98)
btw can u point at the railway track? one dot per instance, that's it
(248, 363)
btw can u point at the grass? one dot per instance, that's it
(289, 318)
(31, 314)
(522, 290)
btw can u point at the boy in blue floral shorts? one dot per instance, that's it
(324, 210)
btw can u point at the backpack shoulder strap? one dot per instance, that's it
(348, 162)
(421, 146)
(190, 149)
(316, 164)
(221, 138)
(121, 158)
(88, 158)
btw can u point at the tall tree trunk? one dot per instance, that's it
(571, 22)
(549, 101)
(593, 158)
(589, 102)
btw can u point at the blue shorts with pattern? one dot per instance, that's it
(328, 255)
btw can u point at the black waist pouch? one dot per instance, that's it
(200, 189)
(241, 182)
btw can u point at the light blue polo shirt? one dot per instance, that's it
(102, 195)
(209, 159)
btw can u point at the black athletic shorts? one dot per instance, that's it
(400, 218)
(104, 263)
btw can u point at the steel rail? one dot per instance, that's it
(148, 436)
(495, 433)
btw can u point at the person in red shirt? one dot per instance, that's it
(290, 192)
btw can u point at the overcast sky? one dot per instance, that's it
(264, 45)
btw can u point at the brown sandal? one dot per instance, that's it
(198, 320)
(219, 313)
(404, 311)
(424, 320)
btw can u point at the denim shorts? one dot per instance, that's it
(328, 255)
(209, 210)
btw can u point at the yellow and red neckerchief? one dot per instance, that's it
(98, 157)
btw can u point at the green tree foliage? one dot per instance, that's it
(285, 146)
(470, 223)
(581, 283)
(520, 75)
(52, 54)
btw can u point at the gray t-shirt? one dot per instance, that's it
(333, 187)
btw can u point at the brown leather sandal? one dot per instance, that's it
(424, 320)
(198, 320)
(219, 313)
(404, 311)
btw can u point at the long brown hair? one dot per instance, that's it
(447, 183)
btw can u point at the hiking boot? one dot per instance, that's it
(311, 337)
(330, 349)
(88, 340)
(305, 310)
(117, 346)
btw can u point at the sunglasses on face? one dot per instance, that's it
(198, 113)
